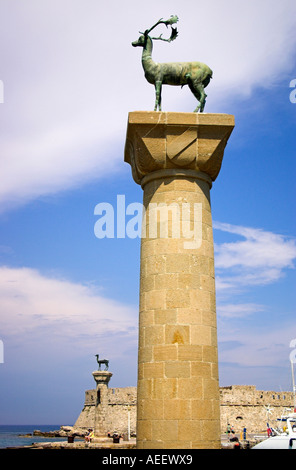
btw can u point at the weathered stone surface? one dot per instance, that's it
(176, 157)
(160, 140)
(119, 409)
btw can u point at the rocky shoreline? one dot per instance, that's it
(76, 440)
(67, 432)
(64, 431)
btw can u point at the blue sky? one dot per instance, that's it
(70, 77)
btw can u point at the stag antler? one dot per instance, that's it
(172, 20)
(173, 36)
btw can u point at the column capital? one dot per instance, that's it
(102, 376)
(193, 142)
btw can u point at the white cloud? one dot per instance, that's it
(258, 347)
(259, 258)
(71, 76)
(45, 309)
(254, 258)
(239, 310)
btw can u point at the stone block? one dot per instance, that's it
(165, 430)
(210, 353)
(189, 316)
(189, 352)
(177, 334)
(201, 334)
(177, 298)
(153, 370)
(211, 430)
(189, 430)
(177, 409)
(165, 316)
(154, 335)
(155, 265)
(210, 388)
(155, 299)
(144, 430)
(153, 409)
(203, 409)
(201, 369)
(146, 354)
(190, 388)
(177, 263)
(164, 352)
(166, 388)
(177, 369)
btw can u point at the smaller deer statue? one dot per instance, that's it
(102, 361)
(194, 74)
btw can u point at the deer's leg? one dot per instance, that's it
(197, 89)
(202, 100)
(158, 85)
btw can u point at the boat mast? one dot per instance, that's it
(293, 383)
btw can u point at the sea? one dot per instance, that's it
(12, 435)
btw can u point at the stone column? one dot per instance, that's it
(102, 379)
(175, 157)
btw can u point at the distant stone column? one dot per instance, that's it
(175, 157)
(102, 379)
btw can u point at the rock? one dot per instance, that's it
(37, 432)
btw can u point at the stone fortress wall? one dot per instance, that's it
(244, 406)
(121, 409)
(240, 405)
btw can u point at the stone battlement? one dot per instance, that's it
(116, 396)
(248, 395)
(240, 405)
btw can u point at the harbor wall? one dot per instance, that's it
(241, 406)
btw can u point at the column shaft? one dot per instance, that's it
(178, 389)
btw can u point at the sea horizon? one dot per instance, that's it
(12, 435)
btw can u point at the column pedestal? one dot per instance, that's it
(176, 157)
(102, 379)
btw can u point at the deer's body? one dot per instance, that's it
(194, 74)
(102, 361)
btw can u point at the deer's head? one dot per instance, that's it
(141, 41)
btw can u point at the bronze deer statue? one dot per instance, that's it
(194, 74)
(102, 361)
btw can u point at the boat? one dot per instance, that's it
(282, 440)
